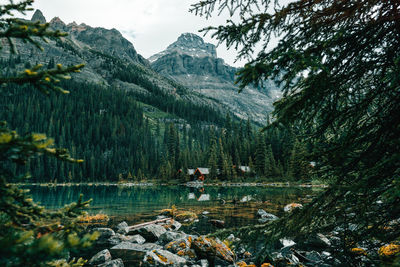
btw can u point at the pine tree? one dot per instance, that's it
(260, 156)
(338, 64)
(32, 234)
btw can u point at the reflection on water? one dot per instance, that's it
(237, 206)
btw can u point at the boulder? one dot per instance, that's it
(122, 228)
(113, 263)
(132, 253)
(213, 250)
(100, 257)
(118, 238)
(105, 235)
(159, 257)
(292, 206)
(170, 236)
(150, 232)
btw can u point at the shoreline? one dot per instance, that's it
(144, 184)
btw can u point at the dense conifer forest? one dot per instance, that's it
(121, 137)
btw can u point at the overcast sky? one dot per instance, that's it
(151, 25)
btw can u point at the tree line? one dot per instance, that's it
(118, 140)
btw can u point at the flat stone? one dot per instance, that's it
(118, 238)
(113, 263)
(132, 253)
(100, 257)
(150, 232)
(159, 257)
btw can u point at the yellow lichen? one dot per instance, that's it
(94, 218)
(358, 251)
(267, 264)
(182, 245)
(389, 250)
(241, 264)
(181, 253)
(161, 257)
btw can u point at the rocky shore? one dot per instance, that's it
(162, 243)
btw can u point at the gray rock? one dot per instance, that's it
(122, 228)
(100, 257)
(159, 257)
(287, 242)
(113, 263)
(177, 245)
(132, 253)
(171, 236)
(136, 239)
(261, 212)
(118, 238)
(105, 235)
(150, 232)
(176, 225)
(265, 216)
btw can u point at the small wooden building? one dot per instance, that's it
(198, 174)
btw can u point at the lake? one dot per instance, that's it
(236, 205)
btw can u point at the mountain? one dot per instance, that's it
(126, 120)
(194, 63)
(111, 61)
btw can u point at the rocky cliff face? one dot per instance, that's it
(110, 60)
(195, 64)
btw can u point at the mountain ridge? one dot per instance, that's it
(188, 62)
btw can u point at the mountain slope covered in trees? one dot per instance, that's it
(128, 122)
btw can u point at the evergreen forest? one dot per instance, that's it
(125, 137)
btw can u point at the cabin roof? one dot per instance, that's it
(245, 168)
(204, 170)
(191, 171)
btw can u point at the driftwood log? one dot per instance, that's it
(148, 223)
